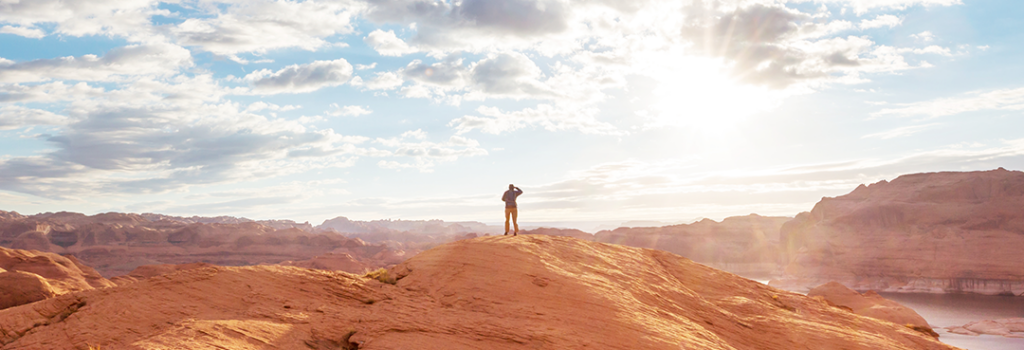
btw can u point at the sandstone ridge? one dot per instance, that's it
(525, 292)
(29, 276)
(872, 305)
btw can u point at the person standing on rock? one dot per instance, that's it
(510, 207)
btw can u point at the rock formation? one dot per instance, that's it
(745, 245)
(871, 304)
(948, 232)
(563, 232)
(29, 276)
(526, 292)
(1007, 327)
(116, 243)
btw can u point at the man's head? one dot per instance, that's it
(511, 186)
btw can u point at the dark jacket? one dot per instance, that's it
(510, 197)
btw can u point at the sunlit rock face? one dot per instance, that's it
(870, 304)
(524, 292)
(29, 276)
(949, 232)
(117, 243)
(745, 245)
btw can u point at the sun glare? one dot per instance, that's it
(697, 93)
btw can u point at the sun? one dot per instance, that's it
(698, 94)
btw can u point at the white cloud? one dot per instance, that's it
(259, 26)
(260, 106)
(552, 118)
(16, 117)
(131, 60)
(387, 44)
(776, 46)
(366, 66)
(47, 92)
(1000, 100)
(900, 132)
(862, 6)
(881, 21)
(924, 36)
(124, 18)
(348, 111)
(152, 137)
(380, 81)
(932, 49)
(476, 23)
(422, 154)
(34, 33)
(301, 78)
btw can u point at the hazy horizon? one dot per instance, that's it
(601, 111)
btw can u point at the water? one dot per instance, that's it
(944, 310)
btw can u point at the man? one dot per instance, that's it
(510, 207)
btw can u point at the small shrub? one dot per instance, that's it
(923, 329)
(382, 275)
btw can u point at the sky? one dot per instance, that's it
(600, 110)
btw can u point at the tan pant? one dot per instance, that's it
(515, 214)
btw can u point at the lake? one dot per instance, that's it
(944, 310)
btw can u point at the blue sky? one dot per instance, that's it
(600, 110)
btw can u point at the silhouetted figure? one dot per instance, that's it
(510, 207)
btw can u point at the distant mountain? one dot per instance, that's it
(951, 232)
(745, 245)
(117, 243)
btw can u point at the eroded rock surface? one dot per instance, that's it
(872, 305)
(115, 243)
(948, 232)
(1007, 327)
(525, 292)
(29, 276)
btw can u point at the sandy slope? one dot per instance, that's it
(525, 292)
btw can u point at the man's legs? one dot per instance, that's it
(515, 215)
(507, 212)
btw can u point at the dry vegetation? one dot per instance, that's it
(382, 275)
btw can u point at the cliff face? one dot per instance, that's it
(525, 292)
(935, 232)
(746, 245)
(115, 243)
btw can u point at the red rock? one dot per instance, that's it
(869, 304)
(28, 276)
(746, 245)
(336, 262)
(933, 232)
(116, 243)
(1007, 327)
(563, 232)
(19, 287)
(527, 292)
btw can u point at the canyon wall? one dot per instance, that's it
(115, 243)
(947, 232)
